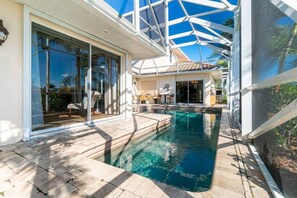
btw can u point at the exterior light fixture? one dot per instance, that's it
(3, 33)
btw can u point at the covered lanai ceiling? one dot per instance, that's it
(185, 23)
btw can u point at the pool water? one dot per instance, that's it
(183, 155)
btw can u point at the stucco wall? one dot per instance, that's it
(11, 74)
(172, 79)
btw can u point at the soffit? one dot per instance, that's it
(88, 18)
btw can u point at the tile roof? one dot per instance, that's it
(180, 66)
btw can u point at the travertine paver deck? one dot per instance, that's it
(60, 166)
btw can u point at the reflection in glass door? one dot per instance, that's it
(105, 84)
(189, 91)
(182, 92)
(195, 91)
(59, 69)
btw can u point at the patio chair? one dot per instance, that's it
(83, 105)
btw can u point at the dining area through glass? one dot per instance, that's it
(189, 91)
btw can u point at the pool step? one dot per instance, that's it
(145, 124)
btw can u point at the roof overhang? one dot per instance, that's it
(93, 17)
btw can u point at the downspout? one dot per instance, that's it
(126, 84)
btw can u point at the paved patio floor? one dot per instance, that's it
(61, 165)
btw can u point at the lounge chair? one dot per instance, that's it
(83, 105)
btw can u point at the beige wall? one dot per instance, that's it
(171, 80)
(11, 74)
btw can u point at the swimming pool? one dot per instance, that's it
(182, 155)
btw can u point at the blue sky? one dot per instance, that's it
(175, 11)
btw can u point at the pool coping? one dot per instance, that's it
(62, 166)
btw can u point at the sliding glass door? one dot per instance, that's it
(105, 83)
(195, 91)
(59, 69)
(182, 92)
(189, 91)
(60, 91)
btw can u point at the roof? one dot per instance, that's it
(185, 65)
(179, 67)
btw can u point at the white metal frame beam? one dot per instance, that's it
(136, 18)
(286, 114)
(180, 35)
(146, 7)
(193, 28)
(212, 39)
(289, 7)
(285, 77)
(166, 19)
(215, 48)
(208, 13)
(156, 22)
(213, 4)
(213, 25)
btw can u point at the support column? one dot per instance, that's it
(27, 108)
(246, 66)
(89, 86)
(166, 18)
(136, 16)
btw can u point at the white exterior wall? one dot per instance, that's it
(11, 56)
(212, 81)
(172, 79)
(15, 103)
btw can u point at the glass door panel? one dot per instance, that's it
(115, 86)
(195, 91)
(59, 68)
(105, 84)
(99, 81)
(189, 91)
(182, 92)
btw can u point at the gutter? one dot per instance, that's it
(174, 73)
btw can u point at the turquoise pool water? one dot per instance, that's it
(182, 155)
